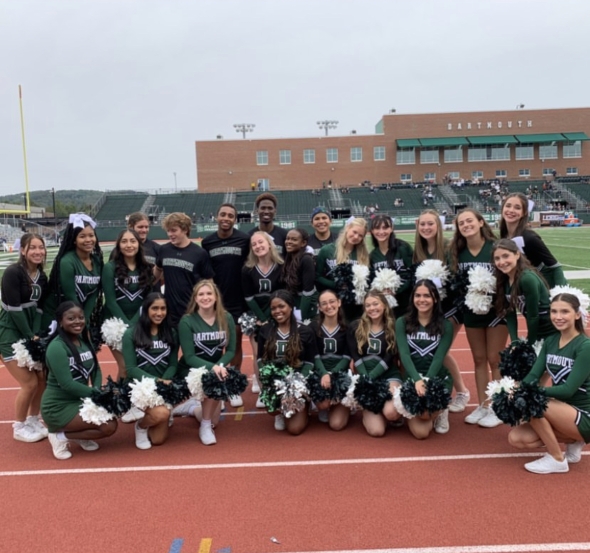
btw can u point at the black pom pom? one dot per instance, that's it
(95, 337)
(517, 360)
(37, 348)
(505, 408)
(457, 288)
(175, 392)
(414, 404)
(531, 400)
(221, 390)
(236, 382)
(372, 394)
(339, 384)
(437, 395)
(342, 275)
(113, 396)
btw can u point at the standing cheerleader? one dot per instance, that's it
(208, 339)
(333, 354)
(298, 274)
(519, 286)
(140, 223)
(73, 372)
(472, 246)
(371, 342)
(261, 276)
(429, 243)
(76, 273)
(287, 341)
(391, 253)
(24, 285)
(566, 358)
(150, 349)
(126, 281)
(514, 222)
(349, 248)
(424, 338)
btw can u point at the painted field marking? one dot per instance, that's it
(7, 389)
(238, 415)
(176, 546)
(273, 464)
(205, 545)
(507, 548)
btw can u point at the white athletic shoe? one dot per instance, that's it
(186, 409)
(279, 423)
(547, 465)
(324, 415)
(475, 416)
(134, 414)
(441, 423)
(490, 420)
(207, 435)
(260, 404)
(142, 439)
(34, 422)
(61, 449)
(22, 432)
(236, 401)
(573, 452)
(87, 445)
(255, 385)
(459, 402)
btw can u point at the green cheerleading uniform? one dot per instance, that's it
(123, 301)
(22, 298)
(67, 383)
(422, 354)
(204, 345)
(569, 369)
(77, 284)
(533, 303)
(159, 361)
(333, 355)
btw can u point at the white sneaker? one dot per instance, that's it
(22, 432)
(61, 449)
(34, 422)
(142, 439)
(324, 415)
(279, 423)
(490, 420)
(547, 465)
(573, 452)
(170, 420)
(475, 416)
(255, 385)
(87, 445)
(207, 435)
(260, 404)
(186, 409)
(459, 402)
(134, 414)
(236, 401)
(441, 423)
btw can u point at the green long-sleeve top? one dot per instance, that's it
(569, 369)
(325, 262)
(421, 353)
(402, 259)
(533, 303)
(333, 355)
(204, 345)
(123, 301)
(307, 295)
(21, 303)
(158, 361)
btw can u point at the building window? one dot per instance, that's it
(571, 171)
(548, 151)
(261, 157)
(488, 153)
(500, 153)
(525, 151)
(379, 153)
(308, 156)
(477, 174)
(429, 177)
(454, 175)
(332, 155)
(524, 173)
(285, 157)
(547, 171)
(406, 156)
(263, 185)
(429, 155)
(356, 153)
(406, 177)
(501, 173)
(453, 154)
(572, 149)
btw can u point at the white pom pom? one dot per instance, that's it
(349, 400)
(436, 271)
(112, 331)
(583, 298)
(195, 384)
(360, 275)
(399, 406)
(94, 414)
(505, 384)
(392, 302)
(481, 280)
(143, 393)
(23, 357)
(537, 346)
(479, 303)
(386, 279)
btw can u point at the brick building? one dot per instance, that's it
(515, 144)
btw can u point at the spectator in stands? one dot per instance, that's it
(266, 209)
(228, 249)
(140, 223)
(321, 219)
(182, 264)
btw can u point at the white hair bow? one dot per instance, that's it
(80, 220)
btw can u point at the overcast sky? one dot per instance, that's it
(115, 92)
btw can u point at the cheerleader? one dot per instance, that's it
(298, 274)
(126, 280)
(285, 340)
(350, 248)
(390, 252)
(76, 273)
(565, 357)
(333, 354)
(73, 372)
(261, 276)
(472, 246)
(429, 243)
(424, 338)
(150, 350)
(208, 339)
(371, 342)
(514, 222)
(24, 285)
(140, 223)
(519, 286)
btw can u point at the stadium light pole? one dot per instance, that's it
(244, 128)
(54, 215)
(327, 124)
(175, 185)
(519, 106)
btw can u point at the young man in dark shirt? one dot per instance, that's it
(321, 219)
(266, 209)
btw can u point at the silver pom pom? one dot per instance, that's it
(293, 391)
